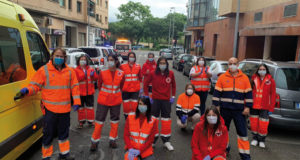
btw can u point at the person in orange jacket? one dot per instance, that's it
(86, 77)
(57, 82)
(210, 137)
(131, 87)
(264, 99)
(139, 132)
(110, 82)
(200, 74)
(148, 67)
(187, 108)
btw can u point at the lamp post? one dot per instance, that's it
(172, 8)
(237, 20)
(88, 28)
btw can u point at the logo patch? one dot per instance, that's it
(227, 81)
(168, 80)
(218, 133)
(119, 74)
(268, 82)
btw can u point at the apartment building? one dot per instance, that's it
(69, 23)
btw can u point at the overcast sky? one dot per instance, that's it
(159, 8)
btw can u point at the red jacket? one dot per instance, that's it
(86, 85)
(200, 142)
(161, 85)
(268, 94)
(148, 67)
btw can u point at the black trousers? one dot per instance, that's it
(203, 97)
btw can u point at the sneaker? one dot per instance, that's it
(113, 144)
(94, 147)
(69, 157)
(183, 129)
(169, 146)
(254, 142)
(262, 145)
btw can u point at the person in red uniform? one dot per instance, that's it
(86, 77)
(110, 82)
(148, 67)
(264, 99)
(163, 96)
(139, 132)
(57, 82)
(131, 87)
(210, 137)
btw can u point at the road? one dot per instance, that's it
(281, 144)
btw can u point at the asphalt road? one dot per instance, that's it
(281, 144)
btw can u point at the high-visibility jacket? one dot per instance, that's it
(264, 93)
(187, 105)
(86, 82)
(233, 93)
(148, 67)
(110, 92)
(56, 87)
(201, 82)
(139, 134)
(132, 79)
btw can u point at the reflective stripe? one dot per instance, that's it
(200, 79)
(244, 151)
(99, 122)
(63, 141)
(134, 133)
(47, 75)
(126, 101)
(76, 97)
(33, 90)
(165, 119)
(57, 103)
(197, 104)
(129, 80)
(243, 138)
(65, 152)
(232, 101)
(114, 122)
(264, 119)
(56, 87)
(254, 116)
(82, 82)
(131, 113)
(135, 140)
(262, 134)
(47, 146)
(110, 91)
(134, 75)
(77, 84)
(37, 84)
(178, 105)
(165, 135)
(216, 99)
(197, 109)
(107, 86)
(202, 86)
(259, 96)
(134, 100)
(144, 135)
(95, 140)
(112, 138)
(156, 135)
(249, 100)
(142, 141)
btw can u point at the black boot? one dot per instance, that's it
(113, 144)
(94, 147)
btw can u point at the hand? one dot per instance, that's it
(151, 100)
(207, 158)
(136, 152)
(92, 73)
(130, 155)
(141, 91)
(246, 111)
(183, 119)
(218, 107)
(24, 91)
(75, 107)
(172, 100)
(269, 113)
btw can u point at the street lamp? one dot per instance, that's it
(88, 29)
(237, 20)
(172, 8)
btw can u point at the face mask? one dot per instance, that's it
(189, 91)
(82, 63)
(142, 108)
(262, 72)
(200, 63)
(162, 67)
(150, 59)
(212, 119)
(58, 61)
(233, 68)
(111, 63)
(131, 59)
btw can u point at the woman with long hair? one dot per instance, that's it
(210, 137)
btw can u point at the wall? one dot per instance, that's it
(229, 6)
(260, 4)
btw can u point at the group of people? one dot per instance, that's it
(147, 104)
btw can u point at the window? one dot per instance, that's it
(106, 4)
(91, 8)
(38, 51)
(78, 7)
(97, 2)
(12, 61)
(70, 4)
(258, 17)
(97, 17)
(105, 52)
(290, 10)
(55, 1)
(105, 20)
(100, 19)
(288, 78)
(101, 3)
(62, 3)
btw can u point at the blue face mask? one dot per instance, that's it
(151, 59)
(58, 61)
(142, 108)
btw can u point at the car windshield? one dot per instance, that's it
(186, 58)
(75, 50)
(92, 52)
(122, 47)
(288, 78)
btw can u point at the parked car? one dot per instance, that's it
(73, 57)
(137, 47)
(188, 66)
(111, 50)
(167, 54)
(72, 50)
(217, 68)
(97, 54)
(287, 78)
(177, 50)
(164, 50)
(181, 60)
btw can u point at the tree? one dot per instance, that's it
(180, 21)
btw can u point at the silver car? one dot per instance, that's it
(217, 68)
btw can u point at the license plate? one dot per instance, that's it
(297, 105)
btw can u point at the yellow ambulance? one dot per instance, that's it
(22, 52)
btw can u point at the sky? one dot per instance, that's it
(159, 8)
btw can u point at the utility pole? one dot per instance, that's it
(237, 20)
(169, 30)
(173, 25)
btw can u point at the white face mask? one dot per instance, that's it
(82, 62)
(162, 67)
(262, 72)
(212, 119)
(200, 63)
(233, 68)
(111, 63)
(142, 108)
(131, 59)
(189, 91)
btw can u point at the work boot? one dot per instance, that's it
(94, 147)
(91, 124)
(262, 145)
(169, 146)
(68, 157)
(183, 129)
(254, 142)
(113, 144)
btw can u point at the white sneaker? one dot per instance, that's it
(153, 145)
(169, 146)
(262, 145)
(254, 142)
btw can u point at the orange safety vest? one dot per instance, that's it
(110, 93)
(57, 88)
(132, 82)
(87, 85)
(139, 134)
(201, 82)
(259, 91)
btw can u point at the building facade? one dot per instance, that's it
(69, 23)
(268, 29)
